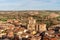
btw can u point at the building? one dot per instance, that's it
(31, 23)
(42, 27)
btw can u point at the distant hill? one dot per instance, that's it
(25, 14)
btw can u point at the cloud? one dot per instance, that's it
(28, 4)
(38, 3)
(42, 2)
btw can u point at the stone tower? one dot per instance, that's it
(42, 27)
(31, 23)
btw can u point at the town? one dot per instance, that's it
(29, 25)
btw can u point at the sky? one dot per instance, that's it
(29, 4)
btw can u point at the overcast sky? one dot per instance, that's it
(29, 4)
